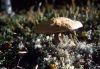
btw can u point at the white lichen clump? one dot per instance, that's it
(67, 51)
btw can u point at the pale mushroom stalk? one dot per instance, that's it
(56, 40)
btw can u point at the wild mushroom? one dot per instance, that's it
(56, 26)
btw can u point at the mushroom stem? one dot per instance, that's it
(56, 40)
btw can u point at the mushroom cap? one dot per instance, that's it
(56, 25)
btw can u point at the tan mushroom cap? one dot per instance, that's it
(56, 25)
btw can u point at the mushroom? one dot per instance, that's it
(56, 26)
